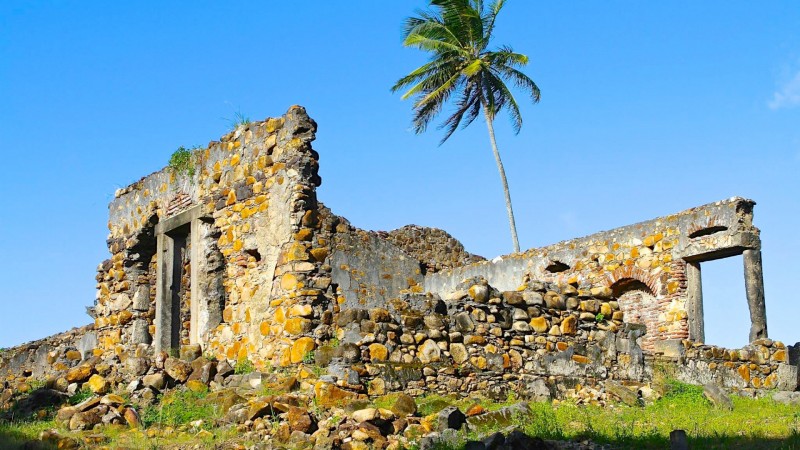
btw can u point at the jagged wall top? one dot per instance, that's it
(266, 145)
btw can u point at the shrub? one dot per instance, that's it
(243, 367)
(181, 161)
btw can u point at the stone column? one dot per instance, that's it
(694, 303)
(754, 284)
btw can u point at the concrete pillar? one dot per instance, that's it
(163, 319)
(694, 306)
(754, 284)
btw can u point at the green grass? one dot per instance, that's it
(84, 394)
(238, 120)
(753, 423)
(19, 435)
(179, 408)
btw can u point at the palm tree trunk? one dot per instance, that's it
(511, 222)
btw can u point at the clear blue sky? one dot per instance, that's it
(648, 108)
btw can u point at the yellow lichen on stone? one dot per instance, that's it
(301, 348)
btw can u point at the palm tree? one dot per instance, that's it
(457, 34)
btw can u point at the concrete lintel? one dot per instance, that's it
(709, 249)
(179, 220)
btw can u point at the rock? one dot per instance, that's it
(787, 398)
(475, 410)
(459, 353)
(378, 352)
(224, 369)
(717, 396)
(501, 418)
(569, 325)
(177, 369)
(328, 395)
(365, 415)
(131, 417)
(429, 352)
(155, 381)
(112, 400)
(79, 374)
(260, 407)
(98, 384)
(450, 418)
(539, 324)
(601, 292)
(376, 387)
(84, 420)
(137, 366)
(299, 420)
(225, 399)
(479, 293)
(627, 396)
(517, 440)
(196, 386)
(141, 299)
(203, 370)
(463, 322)
(404, 406)
(38, 400)
(189, 353)
(301, 348)
(678, 440)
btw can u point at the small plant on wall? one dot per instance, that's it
(181, 161)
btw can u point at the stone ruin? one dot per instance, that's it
(238, 260)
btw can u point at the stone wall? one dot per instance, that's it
(46, 357)
(644, 264)
(256, 283)
(763, 364)
(235, 258)
(434, 248)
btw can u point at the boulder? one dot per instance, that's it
(450, 418)
(177, 369)
(717, 396)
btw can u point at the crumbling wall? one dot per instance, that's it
(434, 248)
(45, 357)
(252, 196)
(648, 257)
(272, 276)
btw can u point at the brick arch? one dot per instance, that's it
(625, 274)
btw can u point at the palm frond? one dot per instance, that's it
(467, 102)
(506, 56)
(491, 18)
(503, 98)
(420, 73)
(522, 81)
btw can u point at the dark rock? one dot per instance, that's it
(678, 440)
(450, 418)
(517, 440)
(493, 441)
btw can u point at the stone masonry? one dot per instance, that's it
(237, 260)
